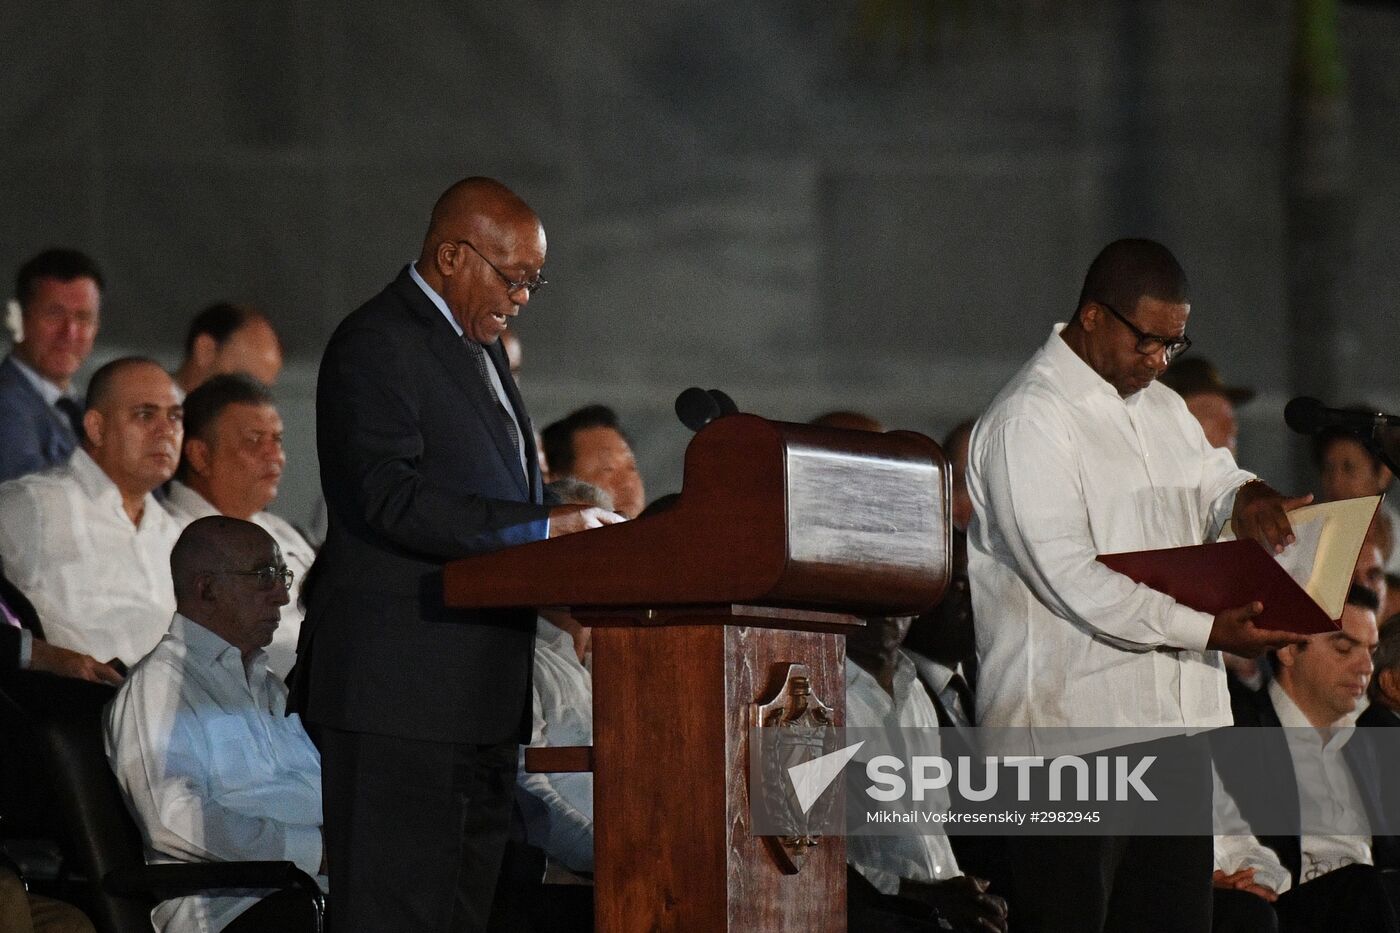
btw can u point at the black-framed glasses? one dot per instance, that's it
(512, 286)
(267, 577)
(1148, 344)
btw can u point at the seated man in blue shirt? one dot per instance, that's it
(210, 765)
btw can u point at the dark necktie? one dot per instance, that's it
(959, 686)
(74, 412)
(478, 355)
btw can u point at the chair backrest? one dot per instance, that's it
(63, 720)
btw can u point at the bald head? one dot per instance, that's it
(482, 255)
(230, 579)
(208, 545)
(477, 208)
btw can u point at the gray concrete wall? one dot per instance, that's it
(734, 195)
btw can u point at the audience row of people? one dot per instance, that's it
(137, 544)
(137, 549)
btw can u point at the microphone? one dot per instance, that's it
(1308, 416)
(725, 403)
(697, 408)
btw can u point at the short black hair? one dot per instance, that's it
(558, 438)
(220, 321)
(55, 263)
(1127, 270)
(207, 402)
(1364, 596)
(100, 385)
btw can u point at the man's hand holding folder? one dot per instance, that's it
(1261, 513)
(1263, 598)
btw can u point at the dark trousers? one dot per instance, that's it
(1126, 882)
(283, 912)
(1354, 899)
(1242, 912)
(1111, 884)
(414, 831)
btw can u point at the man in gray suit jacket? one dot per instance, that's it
(427, 455)
(59, 292)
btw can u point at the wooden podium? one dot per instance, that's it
(723, 613)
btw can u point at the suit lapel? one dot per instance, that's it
(60, 421)
(456, 359)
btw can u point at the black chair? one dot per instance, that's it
(60, 721)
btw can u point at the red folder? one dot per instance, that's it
(1225, 575)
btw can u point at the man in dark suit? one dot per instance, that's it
(427, 455)
(1336, 870)
(59, 292)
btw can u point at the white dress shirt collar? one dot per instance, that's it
(212, 650)
(95, 483)
(184, 502)
(1076, 377)
(435, 298)
(1291, 716)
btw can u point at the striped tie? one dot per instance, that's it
(478, 354)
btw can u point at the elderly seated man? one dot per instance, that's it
(211, 766)
(86, 541)
(232, 465)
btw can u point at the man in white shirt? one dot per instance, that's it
(1082, 454)
(232, 465)
(86, 541)
(59, 293)
(209, 763)
(883, 692)
(559, 808)
(1335, 861)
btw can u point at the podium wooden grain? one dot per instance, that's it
(781, 536)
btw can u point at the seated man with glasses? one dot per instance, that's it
(210, 765)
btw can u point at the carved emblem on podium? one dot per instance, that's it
(803, 730)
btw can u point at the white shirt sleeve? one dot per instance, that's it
(22, 539)
(166, 767)
(1027, 475)
(1236, 847)
(569, 836)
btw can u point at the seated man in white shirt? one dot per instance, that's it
(210, 765)
(232, 465)
(1335, 863)
(558, 808)
(86, 541)
(883, 691)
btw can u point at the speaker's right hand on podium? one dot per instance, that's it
(566, 519)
